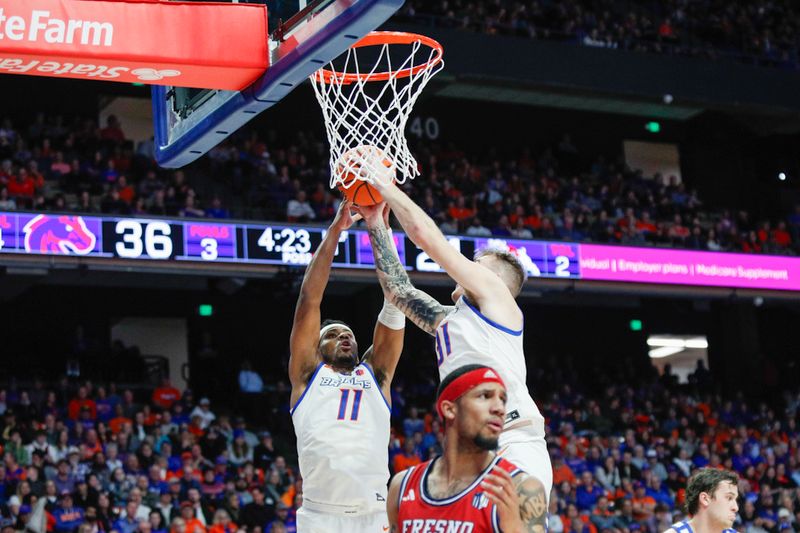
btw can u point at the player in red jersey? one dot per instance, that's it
(468, 489)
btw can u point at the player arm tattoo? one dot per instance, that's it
(417, 305)
(532, 505)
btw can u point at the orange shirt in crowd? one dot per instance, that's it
(76, 404)
(563, 473)
(116, 423)
(401, 462)
(165, 396)
(194, 525)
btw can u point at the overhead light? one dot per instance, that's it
(699, 342)
(695, 342)
(664, 351)
(665, 341)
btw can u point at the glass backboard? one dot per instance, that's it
(303, 36)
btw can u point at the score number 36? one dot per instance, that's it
(153, 238)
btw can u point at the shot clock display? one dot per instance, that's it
(178, 241)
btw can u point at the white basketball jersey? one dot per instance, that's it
(466, 337)
(342, 426)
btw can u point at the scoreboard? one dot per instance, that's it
(183, 241)
(233, 242)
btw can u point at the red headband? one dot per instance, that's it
(466, 382)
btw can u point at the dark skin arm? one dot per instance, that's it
(417, 305)
(304, 338)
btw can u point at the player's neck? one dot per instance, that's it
(703, 524)
(342, 368)
(464, 461)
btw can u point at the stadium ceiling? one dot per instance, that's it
(593, 103)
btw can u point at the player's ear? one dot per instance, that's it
(705, 499)
(449, 410)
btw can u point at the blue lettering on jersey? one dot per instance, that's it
(338, 381)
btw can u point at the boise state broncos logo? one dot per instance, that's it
(58, 235)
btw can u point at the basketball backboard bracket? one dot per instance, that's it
(189, 123)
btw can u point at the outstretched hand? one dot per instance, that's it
(373, 166)
(344, 217)
(374, 214)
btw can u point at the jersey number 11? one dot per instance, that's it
(343, 404)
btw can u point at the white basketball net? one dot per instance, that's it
(365, 119)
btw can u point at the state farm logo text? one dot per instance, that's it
(102, 72)
(40, 27)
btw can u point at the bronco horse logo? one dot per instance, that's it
(58, 235)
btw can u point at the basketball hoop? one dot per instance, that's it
(367, 103)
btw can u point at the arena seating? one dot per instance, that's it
(759, 33)
(53, 164)
(621, 454)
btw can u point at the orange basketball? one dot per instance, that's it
(360, 192)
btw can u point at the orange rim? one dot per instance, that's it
(379, 38)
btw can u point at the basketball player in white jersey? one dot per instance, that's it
(340, 406)
(484, 327)
(711, 496)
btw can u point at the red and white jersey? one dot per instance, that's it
(466, 337)
(470, 511)
(342, 426)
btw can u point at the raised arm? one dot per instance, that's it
(417, 305)
(493, 297)
(305, 329)
(387, 341)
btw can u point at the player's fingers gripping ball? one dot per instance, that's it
(358, 168)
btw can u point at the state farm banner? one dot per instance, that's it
(202, 45)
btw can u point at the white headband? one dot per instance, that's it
(324, 330)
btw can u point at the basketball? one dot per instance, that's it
(350, 170)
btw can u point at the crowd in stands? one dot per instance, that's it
(552, 194)
(762, 31)
(88, 457)
(623, 450)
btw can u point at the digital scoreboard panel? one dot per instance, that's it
(249, 243)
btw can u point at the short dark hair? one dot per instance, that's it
(511, 269)
(329, 321)
(455, 374)
(706, 480)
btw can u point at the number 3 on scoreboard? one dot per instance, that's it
(210, 249)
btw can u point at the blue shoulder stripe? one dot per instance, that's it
(308, 386)
(491, 322)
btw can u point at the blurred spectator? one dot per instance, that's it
(113, 131)
(165, 395)
(203, 411)
(299, 210)
(408, 458)
(217, 210)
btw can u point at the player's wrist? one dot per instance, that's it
(374, 222)
(391, 317)
(336, 227)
